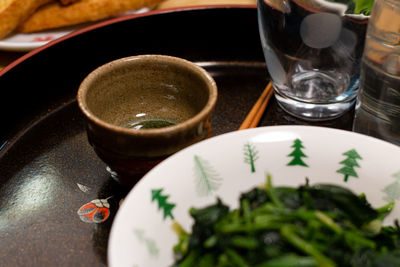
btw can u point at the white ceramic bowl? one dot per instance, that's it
(141, 234)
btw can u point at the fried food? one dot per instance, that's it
(55, 15)
(14, 12)
(67, 2)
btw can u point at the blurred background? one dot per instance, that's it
(8, 56)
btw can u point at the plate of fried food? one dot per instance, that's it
(28, 24)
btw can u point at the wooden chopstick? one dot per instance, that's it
(256, 112)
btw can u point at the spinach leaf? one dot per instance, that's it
(320, 225)
(342, 202)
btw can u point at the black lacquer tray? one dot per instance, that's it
(48, 171)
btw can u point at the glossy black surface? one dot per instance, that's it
(47, 168)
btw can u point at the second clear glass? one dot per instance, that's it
(378, 105)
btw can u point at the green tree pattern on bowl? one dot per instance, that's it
(297, 154)
(148, 242)
(349, 163)
(207, 179)
(392, 190)
(250, 155)
(166, 207)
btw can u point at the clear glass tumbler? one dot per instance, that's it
(378, 104)
(313, 51)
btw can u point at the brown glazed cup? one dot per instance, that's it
(141, 109)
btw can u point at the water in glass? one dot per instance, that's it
(313, 52)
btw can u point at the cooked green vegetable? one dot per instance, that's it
(319, 225)
(363, 6)
(357, 6)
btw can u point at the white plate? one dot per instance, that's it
(141, 234)
(25, 42)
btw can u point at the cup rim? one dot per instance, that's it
(204, 112)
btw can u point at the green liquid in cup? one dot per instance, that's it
(148, 124)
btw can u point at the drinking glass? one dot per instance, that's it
(378, 105)
(313, 51)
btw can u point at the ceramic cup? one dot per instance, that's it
(141, 109)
